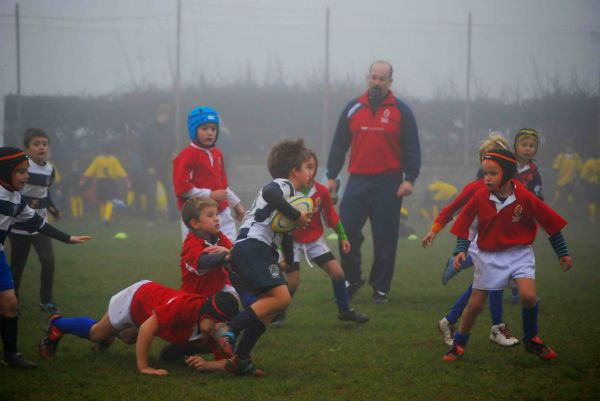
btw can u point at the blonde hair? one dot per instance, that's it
(193, 207)
(493, 141)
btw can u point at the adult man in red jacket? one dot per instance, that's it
(385, 157)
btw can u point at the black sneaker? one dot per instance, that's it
(354, 287)
(18, 361)
(537, 347)
(352, 315)
(50, 308)
(243, 367)
(380, 298)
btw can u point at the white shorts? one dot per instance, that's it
(119, 312)
(496, 270)
(311, 250)
(225, 220)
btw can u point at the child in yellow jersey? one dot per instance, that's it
(590, 174)
(106, 169)
(568, 165)
(438, 194)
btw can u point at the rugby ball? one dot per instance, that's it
(281, 224)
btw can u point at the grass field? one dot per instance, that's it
(396, 356)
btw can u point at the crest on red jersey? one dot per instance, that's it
(518, 214)
(317, 207)
(386, 116)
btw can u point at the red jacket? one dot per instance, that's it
(196, 167)
(177, 312)
(382, 141)
(515, 224)
(323, 209)
(207, 282)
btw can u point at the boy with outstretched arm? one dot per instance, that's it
(255, 257)
(506, 217)
(14, 212)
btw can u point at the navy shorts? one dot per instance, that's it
(257, 265)
(6, 279)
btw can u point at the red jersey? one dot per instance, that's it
(197, 167)
(376, 138)
(177, 311)
(514, 223)
(204, 282)
(323, 210)
(448, 212)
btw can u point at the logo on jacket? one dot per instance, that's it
(386, 116)
(518, 214)
(274, 270)
(317, 207)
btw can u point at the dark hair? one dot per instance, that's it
(312, 154)
(31, 133)
(192, 208)
(222, 307)
(285, 156)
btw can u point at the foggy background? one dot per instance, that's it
(102, 46)
(261, 63)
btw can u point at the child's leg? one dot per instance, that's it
(338, 282)
(19, 245)
(271, 302)
(293, 282)
(529, 303)
(43, 246)
(459, 306)
(253, 320)
(472, 310)
(496, 310)
(101, 332)
(450, 271)
(108, 210)
(446, 325)
(500, 333)
(73, 206)
(8, 321)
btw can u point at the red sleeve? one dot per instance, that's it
(550, 221)
(466, 217)
(327, 210)
(181, 173)
(191, 250)
(223, 172)
(448, 212)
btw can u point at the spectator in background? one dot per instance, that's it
(385, 158)
(157, 153)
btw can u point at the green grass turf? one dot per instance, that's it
(396, 356)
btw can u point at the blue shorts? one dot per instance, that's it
(6, 279)
(257, 264)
